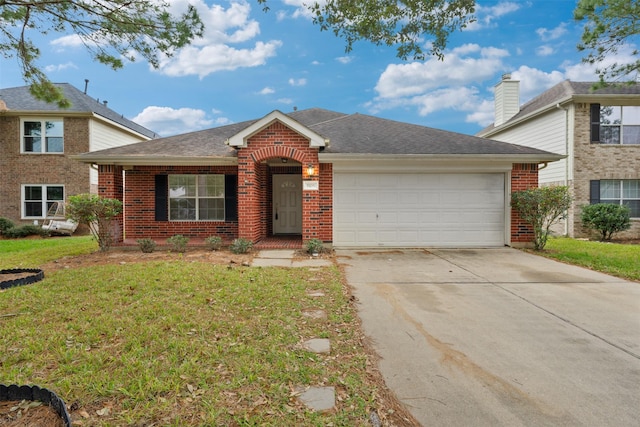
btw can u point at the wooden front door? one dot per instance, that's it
(287, 204)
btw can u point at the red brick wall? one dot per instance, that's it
(110, 185)
(325, 222)
(139, 201)
(523, 177)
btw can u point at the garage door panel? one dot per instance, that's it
(373, 209)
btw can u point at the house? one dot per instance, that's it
(597, 130)
(349, 179)
(37, 140)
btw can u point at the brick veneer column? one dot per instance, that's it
(110, 185)
(523, 177)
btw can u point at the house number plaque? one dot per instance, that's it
(310, 185)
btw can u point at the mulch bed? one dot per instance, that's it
(15, 413)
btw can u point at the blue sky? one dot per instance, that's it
(250, 63)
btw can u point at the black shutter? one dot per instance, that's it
(162, 195)
(594, 192)
(231, 197)
(595, 123)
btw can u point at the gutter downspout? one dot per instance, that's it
(566, 164)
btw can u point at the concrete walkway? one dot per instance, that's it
(286, 258)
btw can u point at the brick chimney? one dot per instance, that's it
(507, 99)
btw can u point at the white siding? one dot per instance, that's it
(104, 136)
(549, 133)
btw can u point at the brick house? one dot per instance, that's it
(347, 179)
(598, 132)
(37, 140)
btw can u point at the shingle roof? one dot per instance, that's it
(563, 91)
(19, 99)
(347, 133)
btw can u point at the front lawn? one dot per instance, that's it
(31, 253)
(184, 343)
(621, 260)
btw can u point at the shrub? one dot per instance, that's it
(314, 246)
(97, 213)
(241, 246)
(214, 242)
(541, 207)
(147, 245)
(178, 243)
(24, 231)
(606, 218)
(5, 224)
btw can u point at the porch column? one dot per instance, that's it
(523, 177)
(311, 215)
(111, 186)
(248, 203)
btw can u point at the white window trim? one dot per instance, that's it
(23, 214)
(42, 120)
(197, 198)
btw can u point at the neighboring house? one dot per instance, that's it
(353, 180)
(598, 131)
(37, 140)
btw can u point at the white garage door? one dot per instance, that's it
(419, 210)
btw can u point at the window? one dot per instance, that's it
(37, 199)
(622, 192)
(196, 197)
(42, 136)
(619, 125)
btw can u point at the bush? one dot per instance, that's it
(214, 242)
(241, 246)
(606, 218)
(541, 207)
(314, 246)
(178, 243)
(5, 224)
(147, 245)
(97, 213)
(24, 231)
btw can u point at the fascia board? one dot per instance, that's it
(155, 161)
(240, 139)
(441, 158)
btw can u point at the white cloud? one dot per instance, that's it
(552, 34)
(216, 50)
(169, 121)
(298, 82)
(286, 101)
(60, 67)
(209, 59)
(72, 40)
(545, 50)
(267, 91)
(462, 66)
(487, 14)
(344, 59)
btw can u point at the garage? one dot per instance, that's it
(419, 209)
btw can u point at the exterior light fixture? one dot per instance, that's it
(311, 170)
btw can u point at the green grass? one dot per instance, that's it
(31, 253)
(621, 260)
(180, 343)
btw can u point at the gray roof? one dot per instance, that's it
(20, 99)
(347, 133)
(566, 90)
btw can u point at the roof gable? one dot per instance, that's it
(240, 138)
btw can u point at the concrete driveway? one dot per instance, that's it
(500, 337)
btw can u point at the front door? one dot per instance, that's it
(287, 204)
